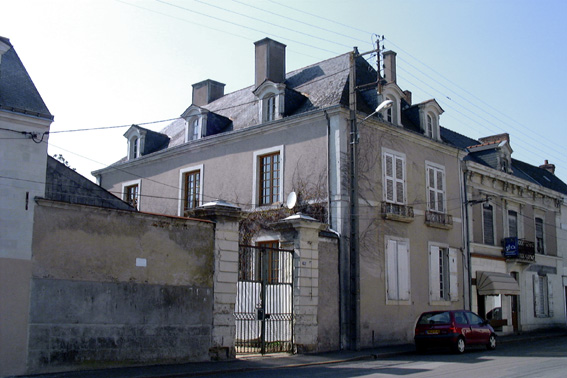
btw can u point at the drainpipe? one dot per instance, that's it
(467, 242)
(329, 213)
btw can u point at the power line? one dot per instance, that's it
(242, 26)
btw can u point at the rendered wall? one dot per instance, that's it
(114, 287)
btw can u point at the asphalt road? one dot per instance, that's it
(539, 358)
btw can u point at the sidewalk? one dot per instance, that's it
(255, 363)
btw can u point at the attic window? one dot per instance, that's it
(429, 129)
(135, 147)
(269, 105)
(194, 128)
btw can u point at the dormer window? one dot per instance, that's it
(195, 122)
(393, 93)
(272, 102)
(136, 140)
(429, 112)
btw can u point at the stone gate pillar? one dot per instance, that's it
(301, 233)
(225, 277)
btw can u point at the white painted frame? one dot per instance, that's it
(182, 172)
(256, 173)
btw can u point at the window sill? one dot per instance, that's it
(394, 302)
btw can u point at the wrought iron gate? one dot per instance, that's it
(264, 300)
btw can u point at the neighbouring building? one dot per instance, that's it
(24, 127)
(515, 234)
(290, 132)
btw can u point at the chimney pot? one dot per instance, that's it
(408, 98)
(548, 167)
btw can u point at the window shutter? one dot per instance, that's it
(403, 271)
(454, 275)
(549, 297)
(388, 177)
(392, 269)
(434, 282)
(537, 298)
(488, 224)
(441, 192)
(400, 180)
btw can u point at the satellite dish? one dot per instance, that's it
(291, 200)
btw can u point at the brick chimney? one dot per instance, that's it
(548, 167)
(206, 92)
(389, 66)
(408, 96)
(270, 61)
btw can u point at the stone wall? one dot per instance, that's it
(328, 313)
(111, 288)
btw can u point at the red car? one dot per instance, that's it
(455, 329)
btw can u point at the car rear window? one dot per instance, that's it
(435, 318)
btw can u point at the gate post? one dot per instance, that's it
(301, 233)
(225, 276)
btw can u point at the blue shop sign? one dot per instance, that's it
(511, 247)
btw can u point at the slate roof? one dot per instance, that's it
(317, 86)
(487, 157)
(65, 185)
(17, 91)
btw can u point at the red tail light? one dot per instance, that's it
(452, 329)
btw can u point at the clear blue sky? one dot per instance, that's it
(494, 66)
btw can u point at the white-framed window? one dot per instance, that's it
(543, 296)
(131, 192)
(488, 224)
(394, 172)
(435, 183)
(268, 176)
(398, 286)
(190, 188)
(443, 274)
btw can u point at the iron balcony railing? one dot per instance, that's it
(519, 249)
(398, 212)
(438, 219)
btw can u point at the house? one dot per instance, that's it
(291, 133)
(515, 217)
(24, 127)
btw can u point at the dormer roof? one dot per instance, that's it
(153, 141)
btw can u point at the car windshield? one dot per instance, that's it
(435, 318)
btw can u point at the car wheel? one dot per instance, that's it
(491, 343)
(460, 345)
